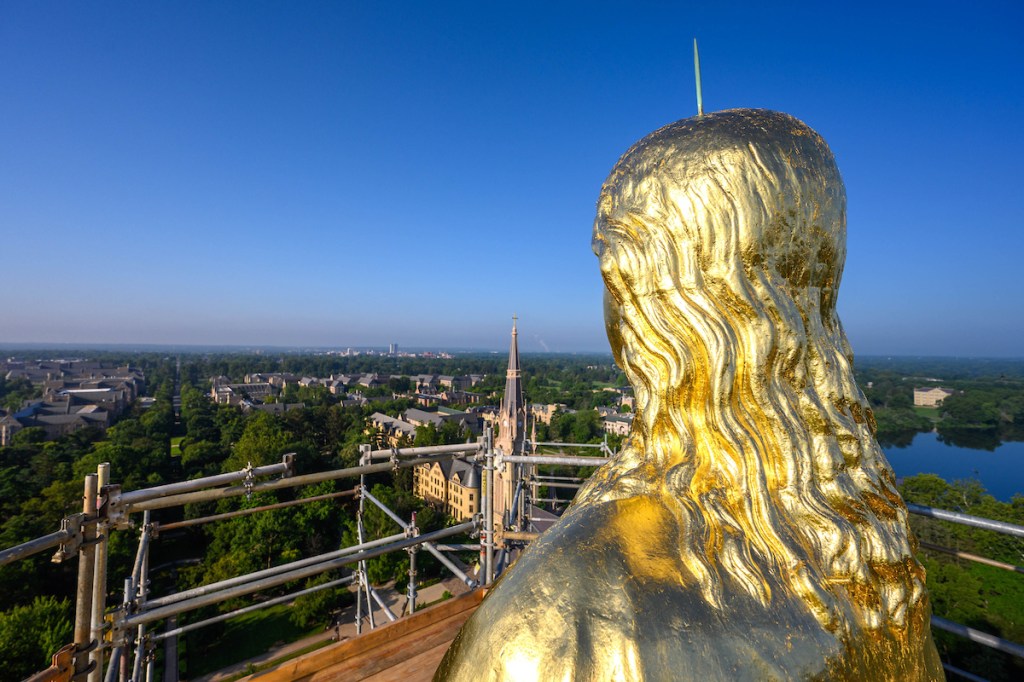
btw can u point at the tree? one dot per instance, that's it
(30, 635)
(262, 442)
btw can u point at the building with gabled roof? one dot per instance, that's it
(451, 486)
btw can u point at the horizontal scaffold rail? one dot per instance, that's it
(249, 609)
(153, 614)
(27, 549)
(967, 519)
(291, 482)
(424, 450)
(980, 637)
(137, 496)
(567, 460)
(253, 510)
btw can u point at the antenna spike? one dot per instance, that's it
(696, 72)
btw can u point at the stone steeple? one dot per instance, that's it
(512, 414)
(511, 431)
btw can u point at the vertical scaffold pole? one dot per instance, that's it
(140, 581)
(129, 596)
(86, 567)
(99, 582)
(413, 531)
(364, 580)
(489, 507)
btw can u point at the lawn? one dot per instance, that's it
(930, 412)
(242, 638)
(176, 446)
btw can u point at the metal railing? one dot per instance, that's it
(122, 630)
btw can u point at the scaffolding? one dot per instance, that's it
(116, 642)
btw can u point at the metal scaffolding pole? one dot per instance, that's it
(99, 581)
(489, 508)
(136, 497)
(34, 546)
(550, 484)
(268, 572)
(552, 459)
(153, 614)
(425, 450)
(413, 531)
(429, 546)
(124, 647)
(253, 510)
(140, 579)
(249, 609)
(364, 579)
(86, 567)
(290, 482)
(113, 672)
(967, 519)
(383, 604)
(980, 637)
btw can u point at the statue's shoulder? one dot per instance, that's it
(571, 607)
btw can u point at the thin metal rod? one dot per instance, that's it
(971, 557)
(980, 637)
(268, 572)
(134, 497)
(99, 580)
(249, 609)
(696, 72)
(458, 548)
(387, 610)
(559, 485)
(290, 482)
(33, 546)
(550, 459)
(252, 510)
(86, 566)
(150, 615)
(967, 519)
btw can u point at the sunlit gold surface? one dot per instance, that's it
(751, 528)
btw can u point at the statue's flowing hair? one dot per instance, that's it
(722, 241)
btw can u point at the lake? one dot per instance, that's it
(1001, 471)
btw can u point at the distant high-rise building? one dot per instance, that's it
(393, 349)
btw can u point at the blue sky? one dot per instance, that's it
(339, 174)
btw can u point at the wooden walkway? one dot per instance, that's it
(407, 650)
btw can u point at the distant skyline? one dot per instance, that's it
(334, 174)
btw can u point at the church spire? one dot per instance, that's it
(512, 415)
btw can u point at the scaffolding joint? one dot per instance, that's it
(74, 527)
(114, 509)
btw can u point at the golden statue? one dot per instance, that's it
(751, 527)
